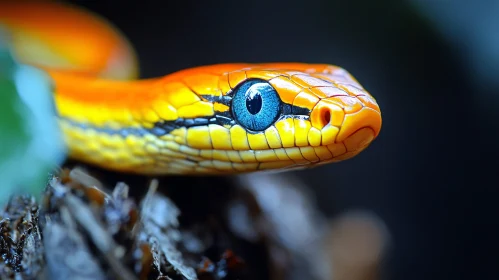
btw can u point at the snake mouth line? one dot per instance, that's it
(223, 161)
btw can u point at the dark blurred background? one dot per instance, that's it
(431, 66)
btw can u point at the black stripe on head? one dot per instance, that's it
(221, 118)
(165, 127)
(292, 110)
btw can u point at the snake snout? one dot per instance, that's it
(347, 124)
(360, 128)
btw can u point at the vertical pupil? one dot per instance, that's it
(254, 103)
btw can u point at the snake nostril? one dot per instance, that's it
(325, 113)
(326, 117)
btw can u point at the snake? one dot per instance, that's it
(228, 118)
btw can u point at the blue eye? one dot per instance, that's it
(256, 104)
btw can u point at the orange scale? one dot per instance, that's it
(305, 99)
(329, 91)
(349, 104)
(292, 73)
(352, 89)
(326, 77)
(262, 74)
(236, 78)
(309, 81)
(369, 101)
(286, 88)
(203, 83)
(346, 80)
(367, 117)
(223, 83)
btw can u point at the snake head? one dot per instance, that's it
(226, 118)
(272, 117)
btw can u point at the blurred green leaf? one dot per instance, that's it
(30, 141)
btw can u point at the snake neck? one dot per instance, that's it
(101, 102)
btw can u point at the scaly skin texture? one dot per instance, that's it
(183, 123)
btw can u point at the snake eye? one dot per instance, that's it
(256, 104)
